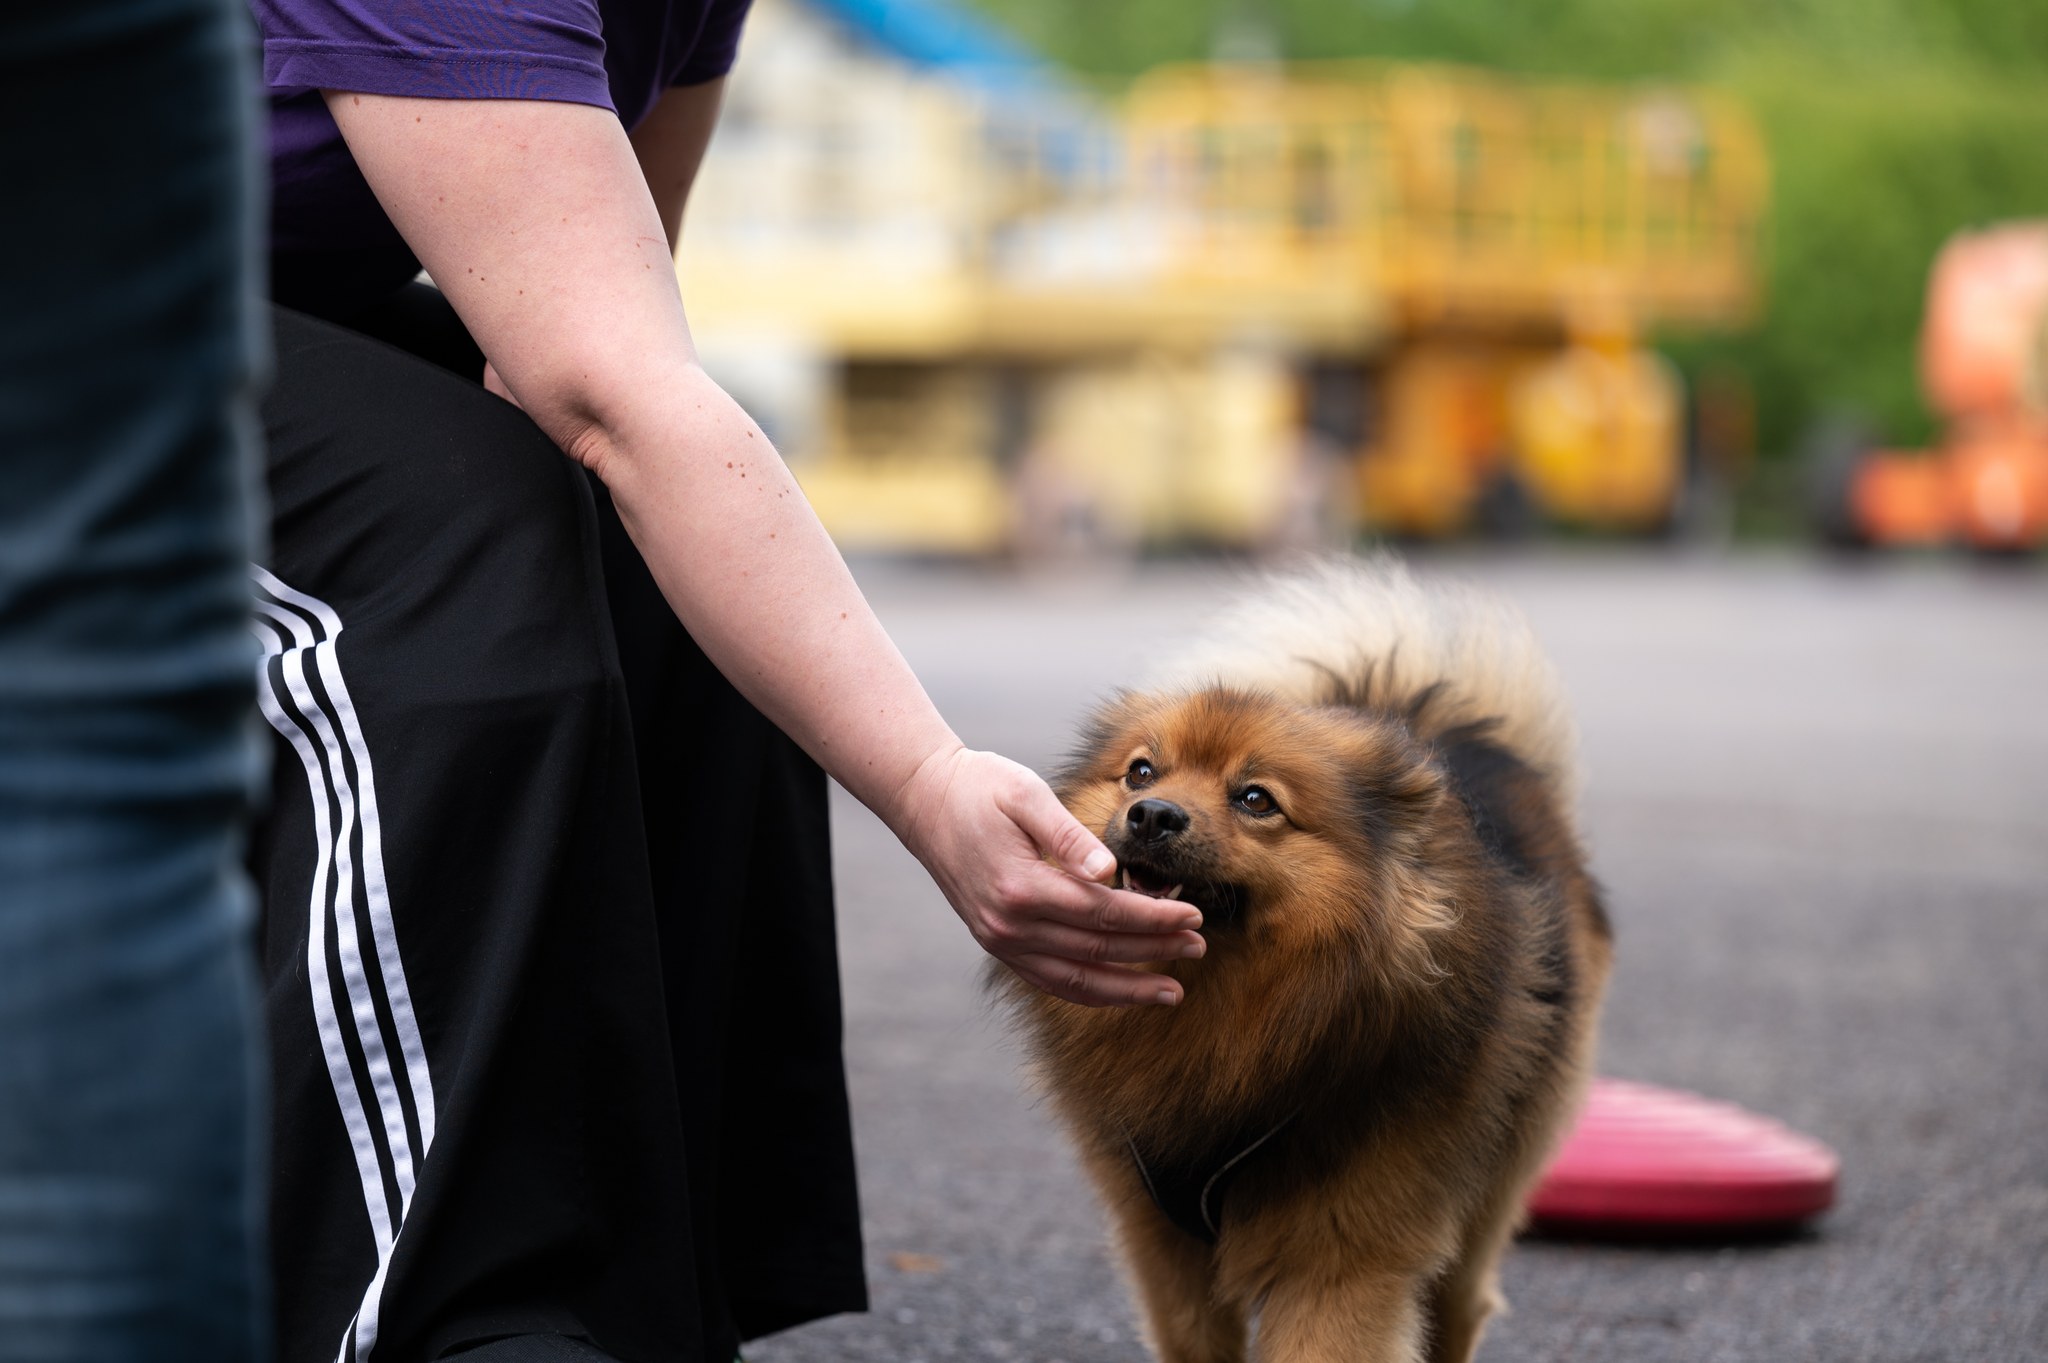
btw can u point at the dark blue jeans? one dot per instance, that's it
(129, 1112)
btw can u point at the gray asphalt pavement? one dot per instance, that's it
(1819, 798)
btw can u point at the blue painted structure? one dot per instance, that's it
(950, 37)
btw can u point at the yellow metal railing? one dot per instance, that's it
(1326, 203)
(1455, 193)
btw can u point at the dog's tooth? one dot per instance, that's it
(1173, 893)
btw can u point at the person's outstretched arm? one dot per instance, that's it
(534, 219)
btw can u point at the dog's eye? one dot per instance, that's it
(1256, 800)
(1140, 774)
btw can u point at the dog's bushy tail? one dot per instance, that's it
(1364, 631)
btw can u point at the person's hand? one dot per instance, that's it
(985, 827)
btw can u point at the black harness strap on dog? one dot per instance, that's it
(1192, 1196)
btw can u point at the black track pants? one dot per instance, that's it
(547, 924)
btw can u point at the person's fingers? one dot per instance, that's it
(1040, 891)
(1096, 986)
(1047, 938)
(1033, 807)
(1129, 911)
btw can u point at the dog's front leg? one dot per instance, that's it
(1175, 1278)
(1354, 1316)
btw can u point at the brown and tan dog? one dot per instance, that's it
(1366, 786)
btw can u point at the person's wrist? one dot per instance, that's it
(911, 809)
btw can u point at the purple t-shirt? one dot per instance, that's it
(331, 244)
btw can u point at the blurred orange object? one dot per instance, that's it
(1903, 498)
(1998, 483)
(1984, 371)
(1986, 302)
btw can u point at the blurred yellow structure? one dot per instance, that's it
(1232, 304)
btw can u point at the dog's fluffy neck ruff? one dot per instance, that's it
(1192, 1196)
(1298, 1056)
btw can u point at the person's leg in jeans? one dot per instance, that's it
(129, 1118)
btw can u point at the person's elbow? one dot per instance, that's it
(611, 411)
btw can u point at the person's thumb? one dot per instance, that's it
(1057, 833)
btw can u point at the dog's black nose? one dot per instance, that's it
(1156, 820)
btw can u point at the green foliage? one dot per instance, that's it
(1870, 176)
(1890, 123)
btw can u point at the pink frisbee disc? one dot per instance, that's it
(1644, 1159)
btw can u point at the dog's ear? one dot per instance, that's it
(1396, 790)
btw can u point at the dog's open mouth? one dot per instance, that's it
(1221, 902)
(1146, 881)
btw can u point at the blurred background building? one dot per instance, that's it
(986, 305)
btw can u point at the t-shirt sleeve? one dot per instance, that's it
(718, 43)
(438, 49)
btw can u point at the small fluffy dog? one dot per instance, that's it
(1366, 786)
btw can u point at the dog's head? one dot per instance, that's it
(1301, 822)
